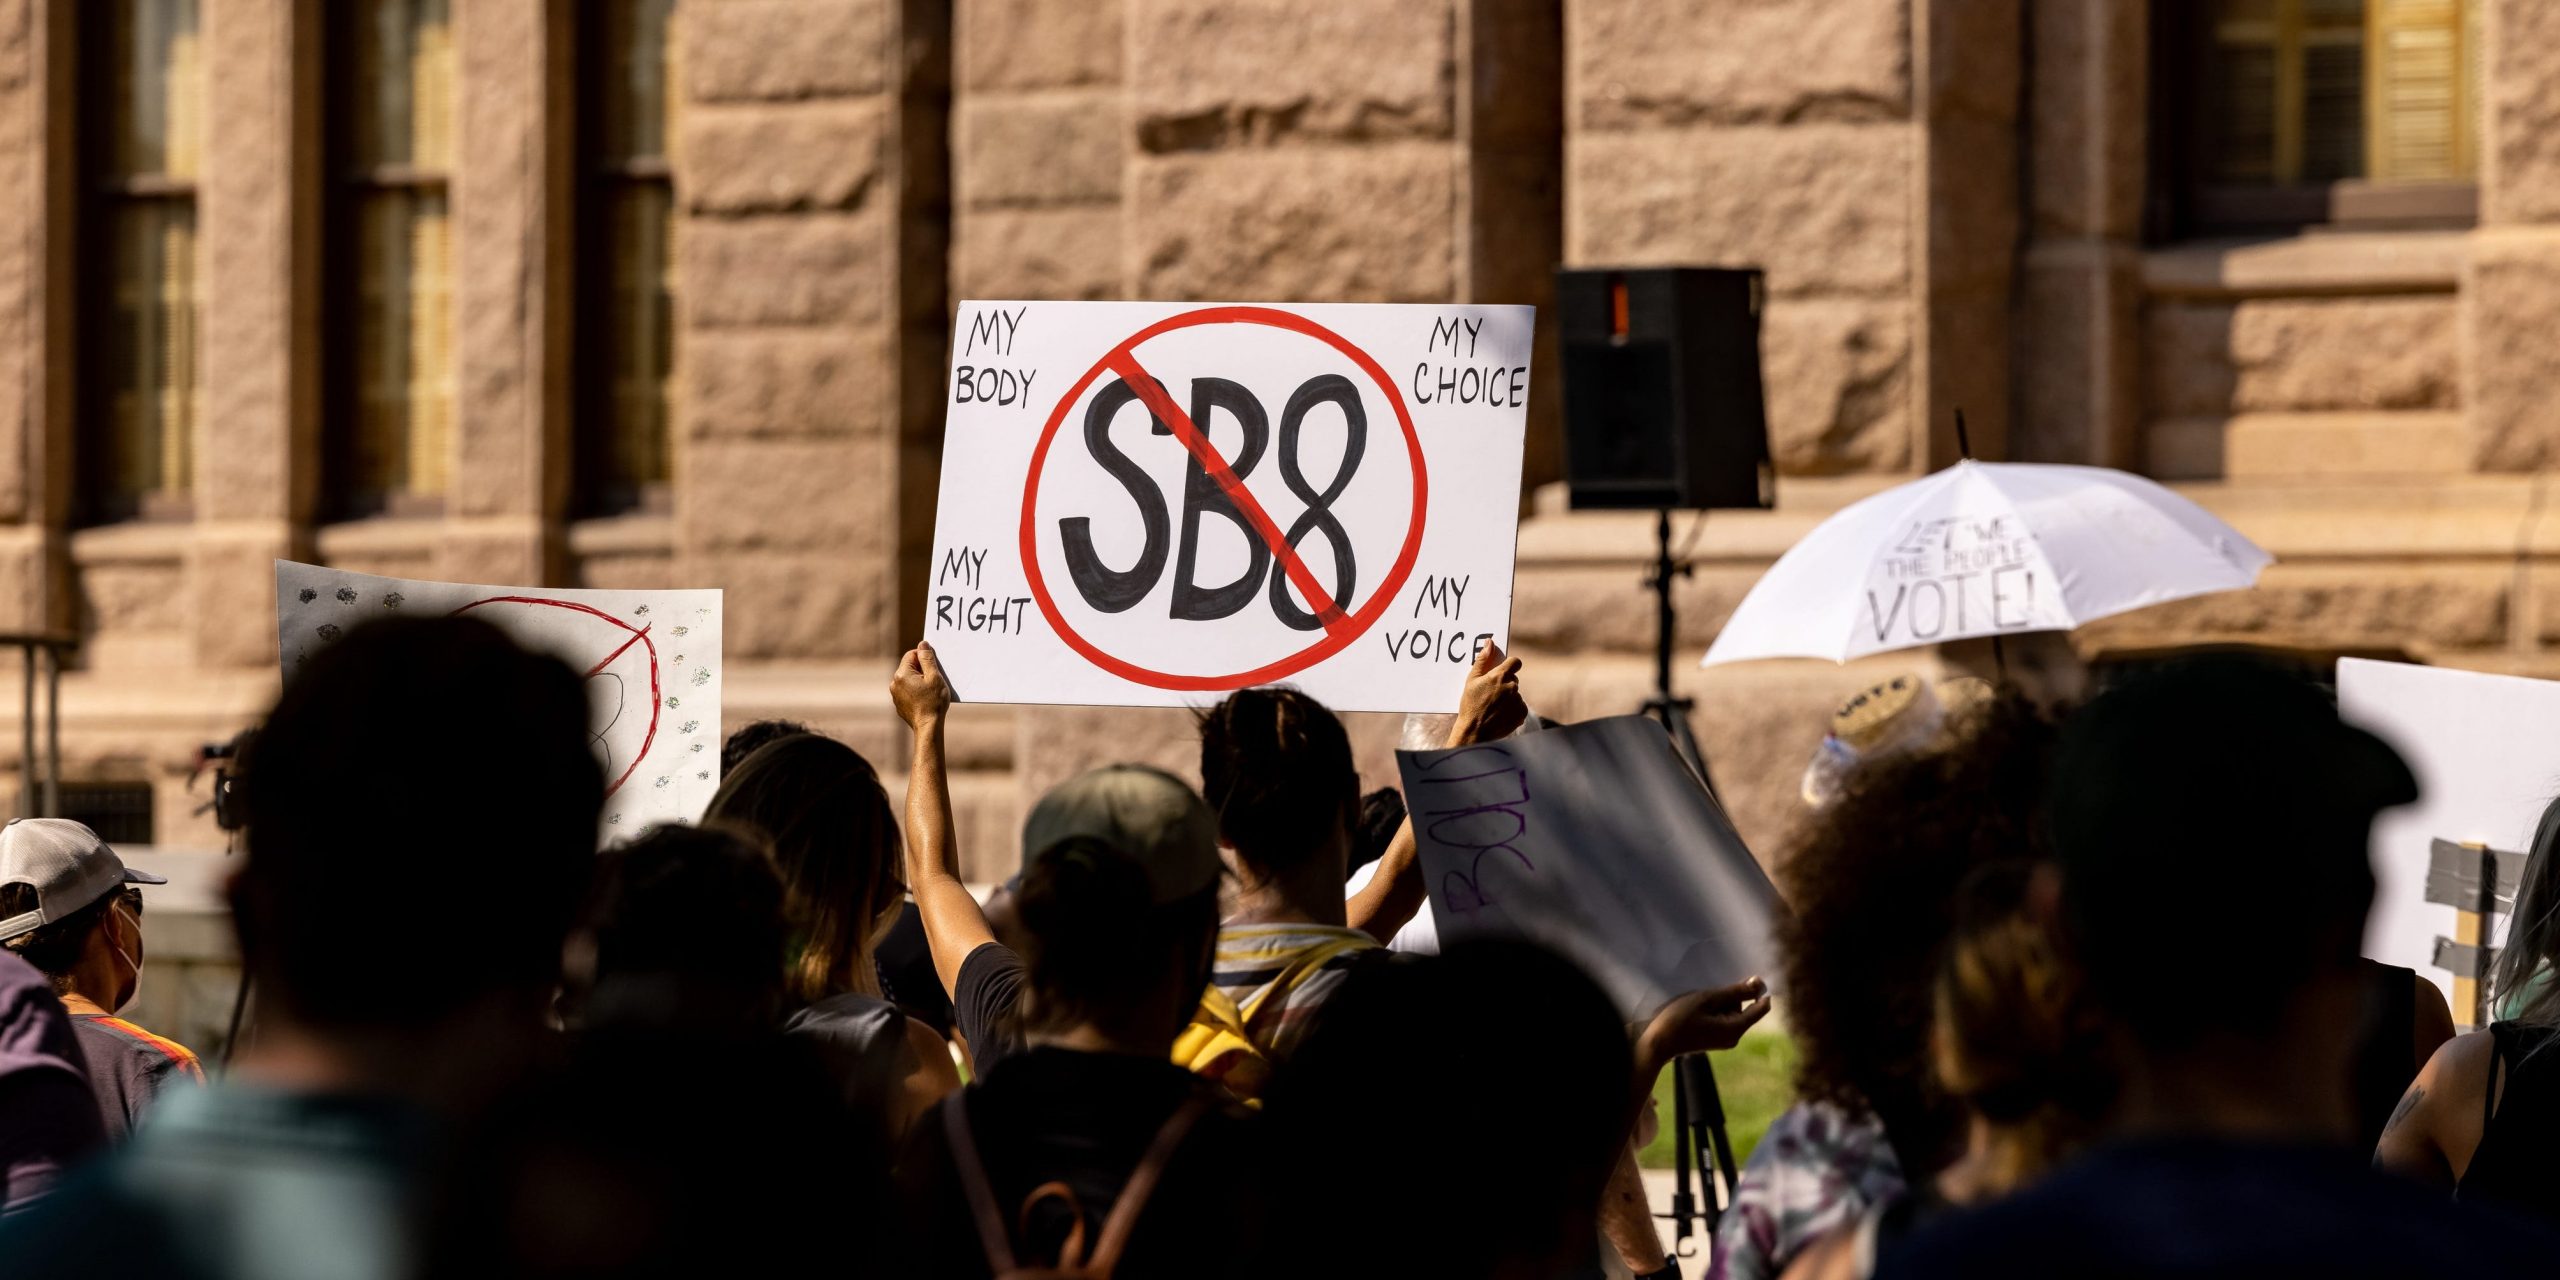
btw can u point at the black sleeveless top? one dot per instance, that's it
(862, 1043)
(2515, 1165)
(2385, 1062)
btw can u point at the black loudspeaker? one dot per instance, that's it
(1662, 397)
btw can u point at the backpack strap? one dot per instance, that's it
(1070, 1250)
(1141, 1184)
(973, 1183)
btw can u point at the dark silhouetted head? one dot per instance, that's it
(1275, 767)
(2212, 818)
(421, 814)
(1528, 1094)
(1381, 816)
(684, 928)
(1117, 904)
(743, 741)
(1096, 949)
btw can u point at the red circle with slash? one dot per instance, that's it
(1340, 628)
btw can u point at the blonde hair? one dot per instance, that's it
(2013, 1040)
(818, 805)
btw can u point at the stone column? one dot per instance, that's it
(1965, 205)
(513, 247)
(1775, 136)
(2078, 344)
(2511, 288)
(1362, 150)
(810, 254)
(1038, 133)
(1510, 82)
(257, 467)
(36, 259)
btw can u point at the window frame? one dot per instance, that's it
(597, 175)
(2181, 205)
(101, 192)
(345, 182)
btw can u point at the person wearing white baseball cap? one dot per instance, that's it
(73, 909)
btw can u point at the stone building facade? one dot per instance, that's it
(1973, 204)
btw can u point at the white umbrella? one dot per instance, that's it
(1984, 549)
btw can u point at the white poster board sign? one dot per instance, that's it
(651, 661)
(2486, 752)
(1594, 840)
(1150, 504)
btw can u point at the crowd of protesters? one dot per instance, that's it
(2077, 995)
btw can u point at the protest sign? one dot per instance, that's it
(1597, 841)
(2486, 752)
(651, 660)
(1150, 504)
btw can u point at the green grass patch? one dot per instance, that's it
(1757, 1081)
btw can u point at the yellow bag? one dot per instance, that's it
(1218, 1046)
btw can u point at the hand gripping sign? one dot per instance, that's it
(1150, 504)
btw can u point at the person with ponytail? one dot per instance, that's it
(1087, 1151)
(818, 807)
(2483, 1117)
(1275, 766)
(2013, 1045)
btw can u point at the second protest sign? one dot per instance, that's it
(1151, 504)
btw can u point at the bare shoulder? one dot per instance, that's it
(926, 1044)
(2448, 1088)
(2461, 1064)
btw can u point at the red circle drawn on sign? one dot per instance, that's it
(639, 636)
(1339, 630)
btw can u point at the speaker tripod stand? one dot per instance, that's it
(1699, 1141)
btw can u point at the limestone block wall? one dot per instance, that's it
(810, 248)
(35, 364)
(1741, 133)
(2509, 287)
(1039, 140)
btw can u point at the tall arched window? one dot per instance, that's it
(390, 276)
(2282, 113)
(626, 324)
(141, 403)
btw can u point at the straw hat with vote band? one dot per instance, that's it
(1147, 814)
(68, 865)
(1903, 715)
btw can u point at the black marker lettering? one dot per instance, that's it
(1107, 589)
(1202, 495)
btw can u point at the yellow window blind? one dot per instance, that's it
(624, 433)
(401, 137)
(2284, 91)
(2420, 114)
(150, 400)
